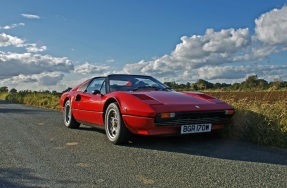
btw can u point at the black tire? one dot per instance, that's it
(115, 128)
(69, 119)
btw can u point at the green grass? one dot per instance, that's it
(3, 95)
(260, 117)
(44, 100)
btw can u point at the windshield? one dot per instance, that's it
(135, 83)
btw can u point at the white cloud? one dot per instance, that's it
(161, 67)
(14, 64)
(20, 79)
(34, 48)
(211, 49)
(210, 56)
(234, 72)
(215, 55)
(42, 81)
(12, 26)
(110, 61)
(271, 27)
(7, 40)
(88, 68)
(30, 16)
(30, 70)
(50, 79)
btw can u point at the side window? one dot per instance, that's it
(83, 87)
(103, 88)
(96, 84)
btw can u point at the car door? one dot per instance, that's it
(89, 102)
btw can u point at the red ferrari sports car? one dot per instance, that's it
(136, 104)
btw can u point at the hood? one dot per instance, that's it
(176, 98)
(166, 101)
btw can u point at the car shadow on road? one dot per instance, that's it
(22, 111)
(89, 128)
(5, 102)
(22, 178)
(211, 145)
(18, 110)
(207, 145)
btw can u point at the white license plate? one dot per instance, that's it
(197, 128)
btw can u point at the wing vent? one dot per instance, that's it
(205, 96)
(143, 97)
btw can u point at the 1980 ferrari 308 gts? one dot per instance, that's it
(135, 104)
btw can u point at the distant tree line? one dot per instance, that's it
(13, 90)
(252, 83)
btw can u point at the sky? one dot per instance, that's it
(52, 45)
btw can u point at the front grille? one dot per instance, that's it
(193, 118)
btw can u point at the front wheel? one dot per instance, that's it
(69, 119)
(115, 128)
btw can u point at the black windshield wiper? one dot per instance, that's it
(167, 89)
(147, 88)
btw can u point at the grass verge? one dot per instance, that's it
(44, 100)
(3, 95)
(260, 117)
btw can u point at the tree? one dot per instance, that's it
(194, 87)
(262, 84)
(217, 86)
(13, 90)
(203, 84)
(276, 84)
(250, 83)
(4, 89)
(235, 86)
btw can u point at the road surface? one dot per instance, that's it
(37, 150)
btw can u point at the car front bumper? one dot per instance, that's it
(147, 126)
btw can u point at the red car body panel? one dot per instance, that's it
(139, 109)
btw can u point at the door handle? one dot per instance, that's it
(78, 97)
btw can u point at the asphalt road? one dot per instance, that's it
(37, 150)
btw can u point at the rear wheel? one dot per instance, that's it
(69, 119)
(115, 128)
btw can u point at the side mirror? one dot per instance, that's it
(96, 92)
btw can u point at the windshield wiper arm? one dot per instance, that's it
(147, 87)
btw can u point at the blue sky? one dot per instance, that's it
(55, 44)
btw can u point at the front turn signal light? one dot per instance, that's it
(167, 115)
(229, 112)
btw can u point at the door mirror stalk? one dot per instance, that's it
(96, 92)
